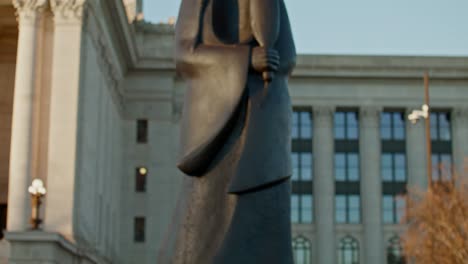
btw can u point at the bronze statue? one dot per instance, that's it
(236, 56)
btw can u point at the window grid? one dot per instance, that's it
(395, 251)
(346, 125)
(392, 125)
(393, 167)
(393, 208)
(347, 166)
(347, 209)
(348, 251)
(301, 250)
(302, 124)
(440, 126)
(442, 166)
(302, 162)
(302, 166)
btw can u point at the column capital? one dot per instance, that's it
(29, 10)
(460, 115)
(370, 112)
(323, 113)
(68, 11)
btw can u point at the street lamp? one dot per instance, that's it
(418, 114)
(37, 191)
(424, 113)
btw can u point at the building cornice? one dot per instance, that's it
(370, 66)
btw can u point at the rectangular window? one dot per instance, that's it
(302, 124)
(139, 229)
(301, 157)
(346, 125)
(394, 207)
(140, 179)
(393, 167)
(392, 125)
(440, 126)
(347, 209)
(346, 166)
(441, 136)
(142, 131)
(3, 219)
(302, 166)
(442, 166)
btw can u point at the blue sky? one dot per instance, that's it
(383, 27)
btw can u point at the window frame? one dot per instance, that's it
(139, 229)
(348, 243)
(305, 248)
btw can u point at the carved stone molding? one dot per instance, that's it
(67, 10)
(29, 10)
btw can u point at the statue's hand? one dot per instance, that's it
(265, 59)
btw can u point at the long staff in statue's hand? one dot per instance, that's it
(265, 23)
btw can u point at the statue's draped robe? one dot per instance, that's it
(234, 141)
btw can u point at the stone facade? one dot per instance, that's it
(85, 75)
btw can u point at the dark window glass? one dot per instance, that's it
(347, 208)
(302, 208)
(302, 162)
(348, 251)
(140, 179)
(392, 125)
(393, 167)
(395, 251)
(302, 166)
(346, 166)
(302, 124)
(139, 229)
(346, 125)
(142, 131)
(301, 248)
(3, 218)
(440, 126)
(394, 207)
(442, 166)
(302, 199)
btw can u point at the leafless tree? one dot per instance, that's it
(437, 222)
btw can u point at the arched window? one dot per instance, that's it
(395, 251)
(348, 251)
(301, 250)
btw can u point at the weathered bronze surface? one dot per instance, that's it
(236, 56)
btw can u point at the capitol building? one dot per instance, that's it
(91, 104)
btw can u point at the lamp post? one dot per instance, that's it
(415, 116)
(37, 191)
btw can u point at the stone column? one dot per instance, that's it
(460, 140)
(416, 152)
(324, 184)
(29, 14)
(371, 184)
(62, 196)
